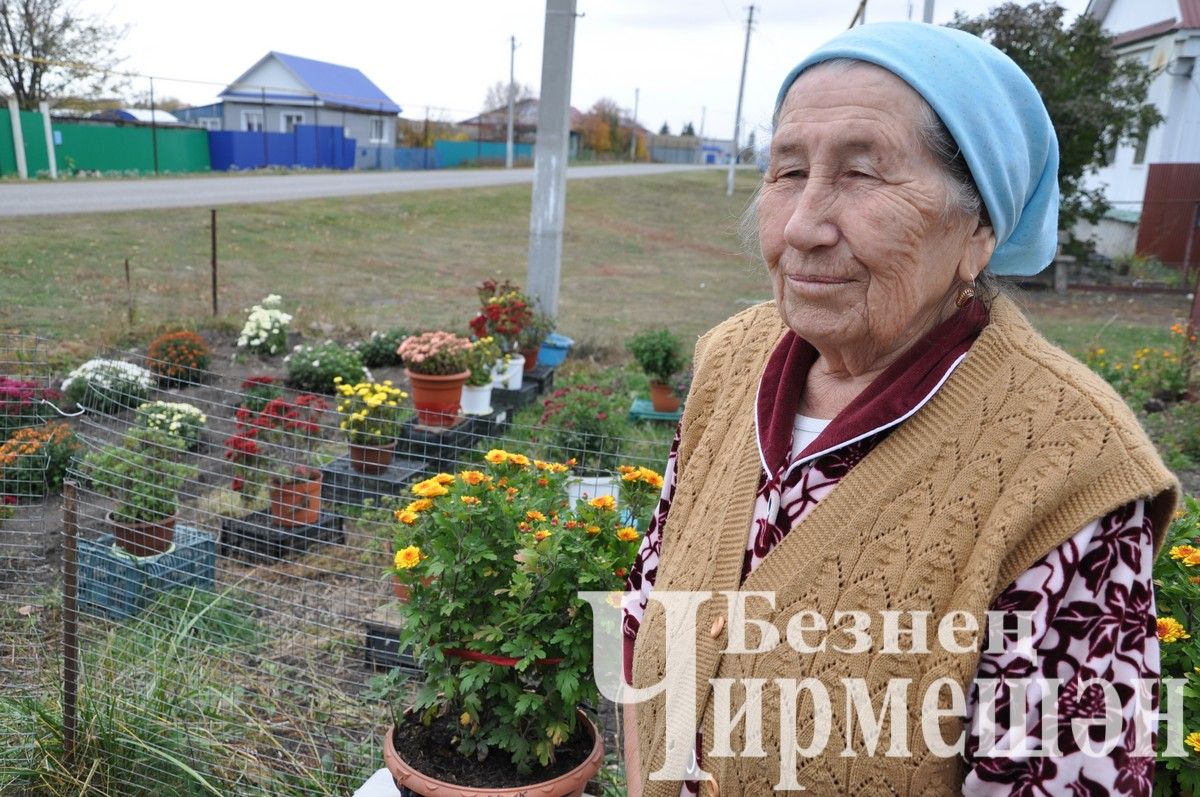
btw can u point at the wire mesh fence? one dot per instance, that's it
(33, 454)
(225, 570)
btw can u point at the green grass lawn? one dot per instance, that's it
(637, 252)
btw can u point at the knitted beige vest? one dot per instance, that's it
(1019, 449)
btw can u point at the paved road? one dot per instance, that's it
(81, 196)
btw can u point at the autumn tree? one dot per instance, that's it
(1095, 99)
(47, 50)
(601, 127)
(497, 94)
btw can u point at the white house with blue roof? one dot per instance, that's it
(282, 91)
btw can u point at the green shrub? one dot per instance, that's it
(314, 367)
(658, 353)
(379, 350)
(585, 423)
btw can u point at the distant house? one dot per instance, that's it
(493, 125)
(1154, 183)
(282, 91)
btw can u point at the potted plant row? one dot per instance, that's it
(493, 559)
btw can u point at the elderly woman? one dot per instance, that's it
(890, 440)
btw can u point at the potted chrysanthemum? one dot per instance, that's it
(436, 364)
(372, 414)
(494, 558)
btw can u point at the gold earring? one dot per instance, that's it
(966, 294)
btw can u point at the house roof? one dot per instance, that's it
(525, 115)
(157, 116)
(332, 84)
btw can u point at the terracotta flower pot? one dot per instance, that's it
(144, 539)
(531, 358)
(437, 398)
(372, 460)
(570, 784)
(663, 397)
(296, 503)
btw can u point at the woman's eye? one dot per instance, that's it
(794, 173)
(857, 175)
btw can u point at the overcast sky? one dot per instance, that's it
(683, 55)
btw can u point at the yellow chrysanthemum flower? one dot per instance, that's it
(535, 516)
(420, 505)
(407, 558)
(627, 534)
(464, 719)
(541, 534)
(474, 477)
(429, 489)
(406, 516)
(496, 456)
(592, 529)
(1182, 551)
(519, 459)
(468, 499)
(443, 478)
(605, 502)
(1192, 740)
(1170, 630)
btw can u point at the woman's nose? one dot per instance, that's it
(810, 225)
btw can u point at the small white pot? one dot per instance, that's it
(585, 488)
(476, 400)
(516, 371)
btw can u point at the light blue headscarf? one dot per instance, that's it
(996, 117)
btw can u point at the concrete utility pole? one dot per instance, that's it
(633, 126)
(512, 98)
(737, 119)
(928, 15)
(550, 156)
(14, 116)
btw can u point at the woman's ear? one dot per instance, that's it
(977, 252)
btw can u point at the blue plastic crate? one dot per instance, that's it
(117, 585)
(554, 350)
(643, 410)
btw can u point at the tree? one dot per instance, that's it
(601, 127)
(688, 130)
(48, 51)
(1095, 99)
(497, 95)
(665, 130)
(141, 99)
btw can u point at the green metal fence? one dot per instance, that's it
(105, 148)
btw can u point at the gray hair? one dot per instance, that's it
(961, 192)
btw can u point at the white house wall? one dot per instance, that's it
(1177, 138)
(357, 125)
(272, 77)
(1126, 15)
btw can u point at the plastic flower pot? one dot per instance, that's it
(570, 784)
(145, 538)
(663, 398)
(531, 357)
(477, 400)
(516, 370)
(297, 502)
(585, 488)
(372, 460)
(437, 398)
(554, 350)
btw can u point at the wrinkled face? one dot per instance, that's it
(864, 253)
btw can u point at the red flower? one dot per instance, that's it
(237, 485)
